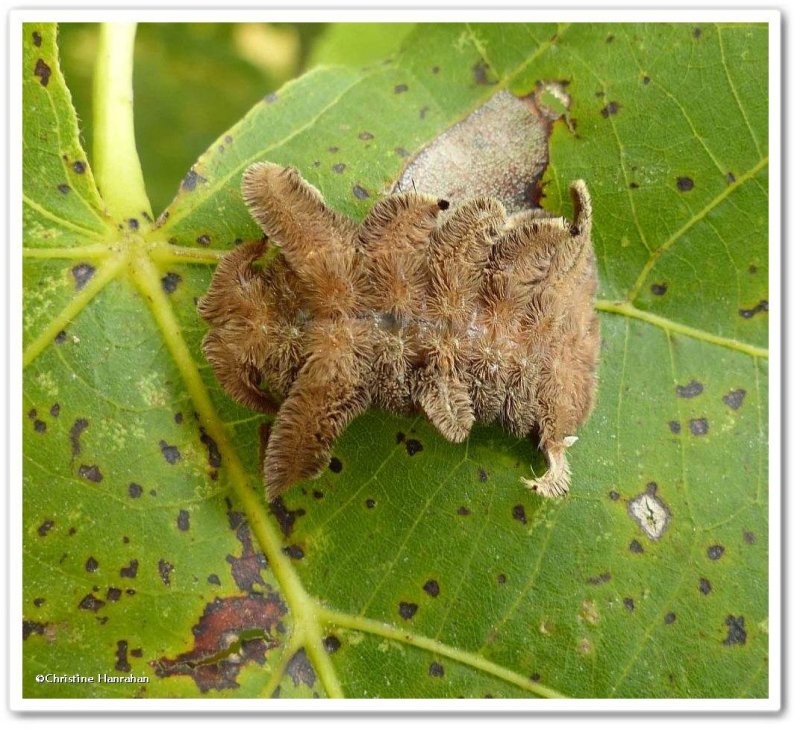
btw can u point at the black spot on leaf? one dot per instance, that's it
(286, 517)
(300, 670)
(685, 184)
(413, 447)
(502, 579)
(113, 594)
(691, 390)
(55, 410)
(613, 495)
(596, 580)
(518, 513)
(204, 239)
(170, 281)
(659, 289)
(628, 603)
(294, 551)
(339, 167)
(121, 665)
(134, 490)
(436, 670)
(191, 180)
(91, 472)
(60, 338)
(331, 644)
(696, 32)
(669, 618)
(90, 602)
(609, 109)
(63, 188)
(80, 425)
(214, 456)
(164, 570)
(170, 453)
(749, 537)
(91, 565)
(213, 579)
(37, 38)
(715, 552)
(635, 547)
(698, 426)
(431, 587)
(401, 152)
(79, 167)
(482, 475)
(38, 602)
(360, 192)
(731, 178)
(369, 503)
(734, 399)
(762, 306)
(45, 527)
(480, 74)
(407, 610)
(271, 98)
(42, 70)
(82, 273)
(32, 627)
(366, 136)
(675, 427)
(130, 570)
(39, 426)
(335, 465)
(736, 631)
(399, 437)
(183, 520)
(463, 511)
(400, 88)
(704, 586)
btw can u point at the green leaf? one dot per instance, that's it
(414, 567)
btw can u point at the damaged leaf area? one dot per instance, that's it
(412, 567)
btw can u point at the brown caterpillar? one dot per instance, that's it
(460, 311)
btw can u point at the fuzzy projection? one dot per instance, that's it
(458, 310)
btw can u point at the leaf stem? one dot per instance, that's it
(387, 631)
(116, 164)
(628, 310)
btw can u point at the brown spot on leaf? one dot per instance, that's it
(218, 653)
(42, 70)
(245, 569)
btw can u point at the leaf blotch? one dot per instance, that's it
(245, 569)
(684, 184)
(734, 399)
(82, 273)
(736, 631)
(42, 70)
(407, 610)
(208, 663)
(691, 390)
(91, 472)
(413, 447)
(698, 426)
(170, 453)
